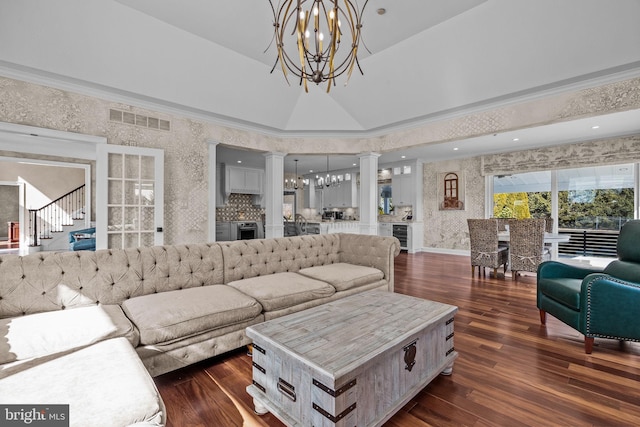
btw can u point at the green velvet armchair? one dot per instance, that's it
(597, 303)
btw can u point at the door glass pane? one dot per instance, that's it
(115, 192)
(147, 239)
(147, 167)
(131, 240)
(115, 165)
(131, 218)
(131, 166)
(131, 201)
(115, 240)
(146, 219)
(115, 218)
(146, 189)
(131, 193)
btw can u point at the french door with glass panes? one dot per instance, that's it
(129, 197)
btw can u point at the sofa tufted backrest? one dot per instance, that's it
(169, 268)
(370, 251)
(54, 281)
(250, 258)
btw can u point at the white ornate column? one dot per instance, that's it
(213, 190)
(368, 203)
(274, 191)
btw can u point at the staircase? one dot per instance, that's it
(49, 226)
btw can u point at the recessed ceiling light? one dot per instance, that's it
(403, 157)
(310, 171)
(239, 161)
(455, 149)
(595, 127)
(516, 139)
(355, 164)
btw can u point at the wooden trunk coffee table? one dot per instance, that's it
(352, 362)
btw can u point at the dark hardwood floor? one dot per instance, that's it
(511, 371)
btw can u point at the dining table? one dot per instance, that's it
(503, 236)
(549, 238)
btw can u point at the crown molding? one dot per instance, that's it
(31, 75)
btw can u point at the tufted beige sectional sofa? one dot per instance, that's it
(90, 329)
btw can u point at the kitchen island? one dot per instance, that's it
(329, 227)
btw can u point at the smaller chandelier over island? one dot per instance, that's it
(317, 41)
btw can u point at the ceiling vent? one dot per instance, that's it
(138, 120)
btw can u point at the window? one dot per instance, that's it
(591, 204)
(595, 198)
(523, 195)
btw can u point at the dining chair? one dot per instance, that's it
(301, 225)
(526, 245)
(485, 251)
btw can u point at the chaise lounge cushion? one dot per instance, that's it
(343, 276)
(42, 334)
(282, 290)
(168, 316)
(104, 384)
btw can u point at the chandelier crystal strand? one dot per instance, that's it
(317, 33)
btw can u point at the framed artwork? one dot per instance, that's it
(451, 188)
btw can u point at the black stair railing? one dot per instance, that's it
(52, 217)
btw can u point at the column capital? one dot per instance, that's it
(275, 155)
(370, 154)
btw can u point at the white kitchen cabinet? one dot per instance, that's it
(343, 196)
(223, 231)
(385, 229)
(312, 195)
(402, 186)
(330, 197)
(243, 180)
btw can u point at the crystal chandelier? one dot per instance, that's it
(320, 43)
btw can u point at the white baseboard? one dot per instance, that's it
(459, 252)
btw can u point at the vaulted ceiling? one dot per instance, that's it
(429, 59)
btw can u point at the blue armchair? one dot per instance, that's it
(597, 303)
(83, 240)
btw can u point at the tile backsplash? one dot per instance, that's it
(398, 215)
(240, 207)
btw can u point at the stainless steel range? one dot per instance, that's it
(247, 230)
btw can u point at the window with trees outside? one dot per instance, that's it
(591, 204)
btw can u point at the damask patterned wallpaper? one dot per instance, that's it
(604, 151)
(447, 229)
(186, 146)
(9, 208)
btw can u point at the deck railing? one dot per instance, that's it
(598, 243)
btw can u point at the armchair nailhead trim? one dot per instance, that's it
(588, 304)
